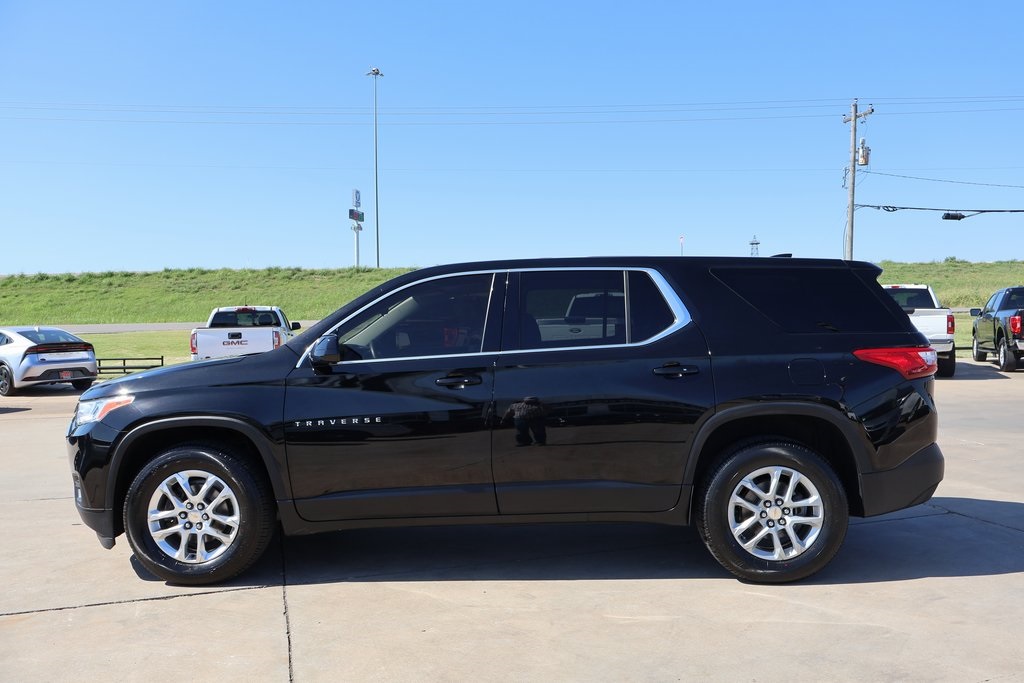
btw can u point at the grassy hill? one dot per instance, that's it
(188, 295)
(310, 294)
(178, 295)
(959, 284)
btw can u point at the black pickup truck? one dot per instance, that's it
(997, 328)
(473, 394)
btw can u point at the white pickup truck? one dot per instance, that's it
(931, 319)
(241, 330)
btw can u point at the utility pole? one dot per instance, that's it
(852, 118)
(376, 74)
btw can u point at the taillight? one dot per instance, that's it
(277, 339)
(909, 362)
(192, 342)
(950, 324)
(1015, 324)
(61, 347)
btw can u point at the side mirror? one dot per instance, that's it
(296, 326)
(325, 351)
(975, 312)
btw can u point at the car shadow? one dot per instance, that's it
(8, 411)
(36, 390)
(947, 537)
(974, 370)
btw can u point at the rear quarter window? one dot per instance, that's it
(814, 300)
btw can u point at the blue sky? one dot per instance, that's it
(142, 136)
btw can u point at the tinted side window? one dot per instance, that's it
(589, 308)
(649, 314)
(1015, 298)
(572, 308)
(801, 300)
(433, 318)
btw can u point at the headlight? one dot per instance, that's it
(92, 411)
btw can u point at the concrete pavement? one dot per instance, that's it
(935, 593)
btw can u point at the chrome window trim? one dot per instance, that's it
(445, 276)
(675, 304)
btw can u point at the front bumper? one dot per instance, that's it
(99, 520)
(911, 483)
(87, 448)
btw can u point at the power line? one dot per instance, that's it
(514, 115)
(891, 209)
(940, 180)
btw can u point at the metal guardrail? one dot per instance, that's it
(122, 366)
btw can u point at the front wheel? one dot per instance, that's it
(1007, 358)
(979, 355)
(198, 514)
(773, 512)
(6, 381)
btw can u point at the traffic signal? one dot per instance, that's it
(356, 215)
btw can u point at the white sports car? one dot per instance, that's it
(44, 355)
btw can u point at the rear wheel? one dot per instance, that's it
(947, 366)
(773, 512)
(1007, 358)
(6, 381)
(978, 354)
(198, 514)
(82, 384)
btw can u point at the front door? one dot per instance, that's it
(401, 426)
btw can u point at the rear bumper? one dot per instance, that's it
(41, 374)
(911, 483)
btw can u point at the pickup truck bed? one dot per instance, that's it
(931, 319)
(241, 330)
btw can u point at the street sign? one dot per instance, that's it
(356, 215)
(355, 199)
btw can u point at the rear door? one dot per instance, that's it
(600, 382)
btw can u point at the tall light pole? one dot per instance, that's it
(376, 73)
(852, 118)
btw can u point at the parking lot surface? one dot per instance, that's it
(934, 593)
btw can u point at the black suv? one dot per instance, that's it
(762, 400)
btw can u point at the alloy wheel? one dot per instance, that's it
(193, 516)
(775, 513)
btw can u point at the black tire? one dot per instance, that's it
(1007, 358)
(167, 541)
(6, 381)
(979, 355)
(783, 545)
(947, 366)
(82, 384)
